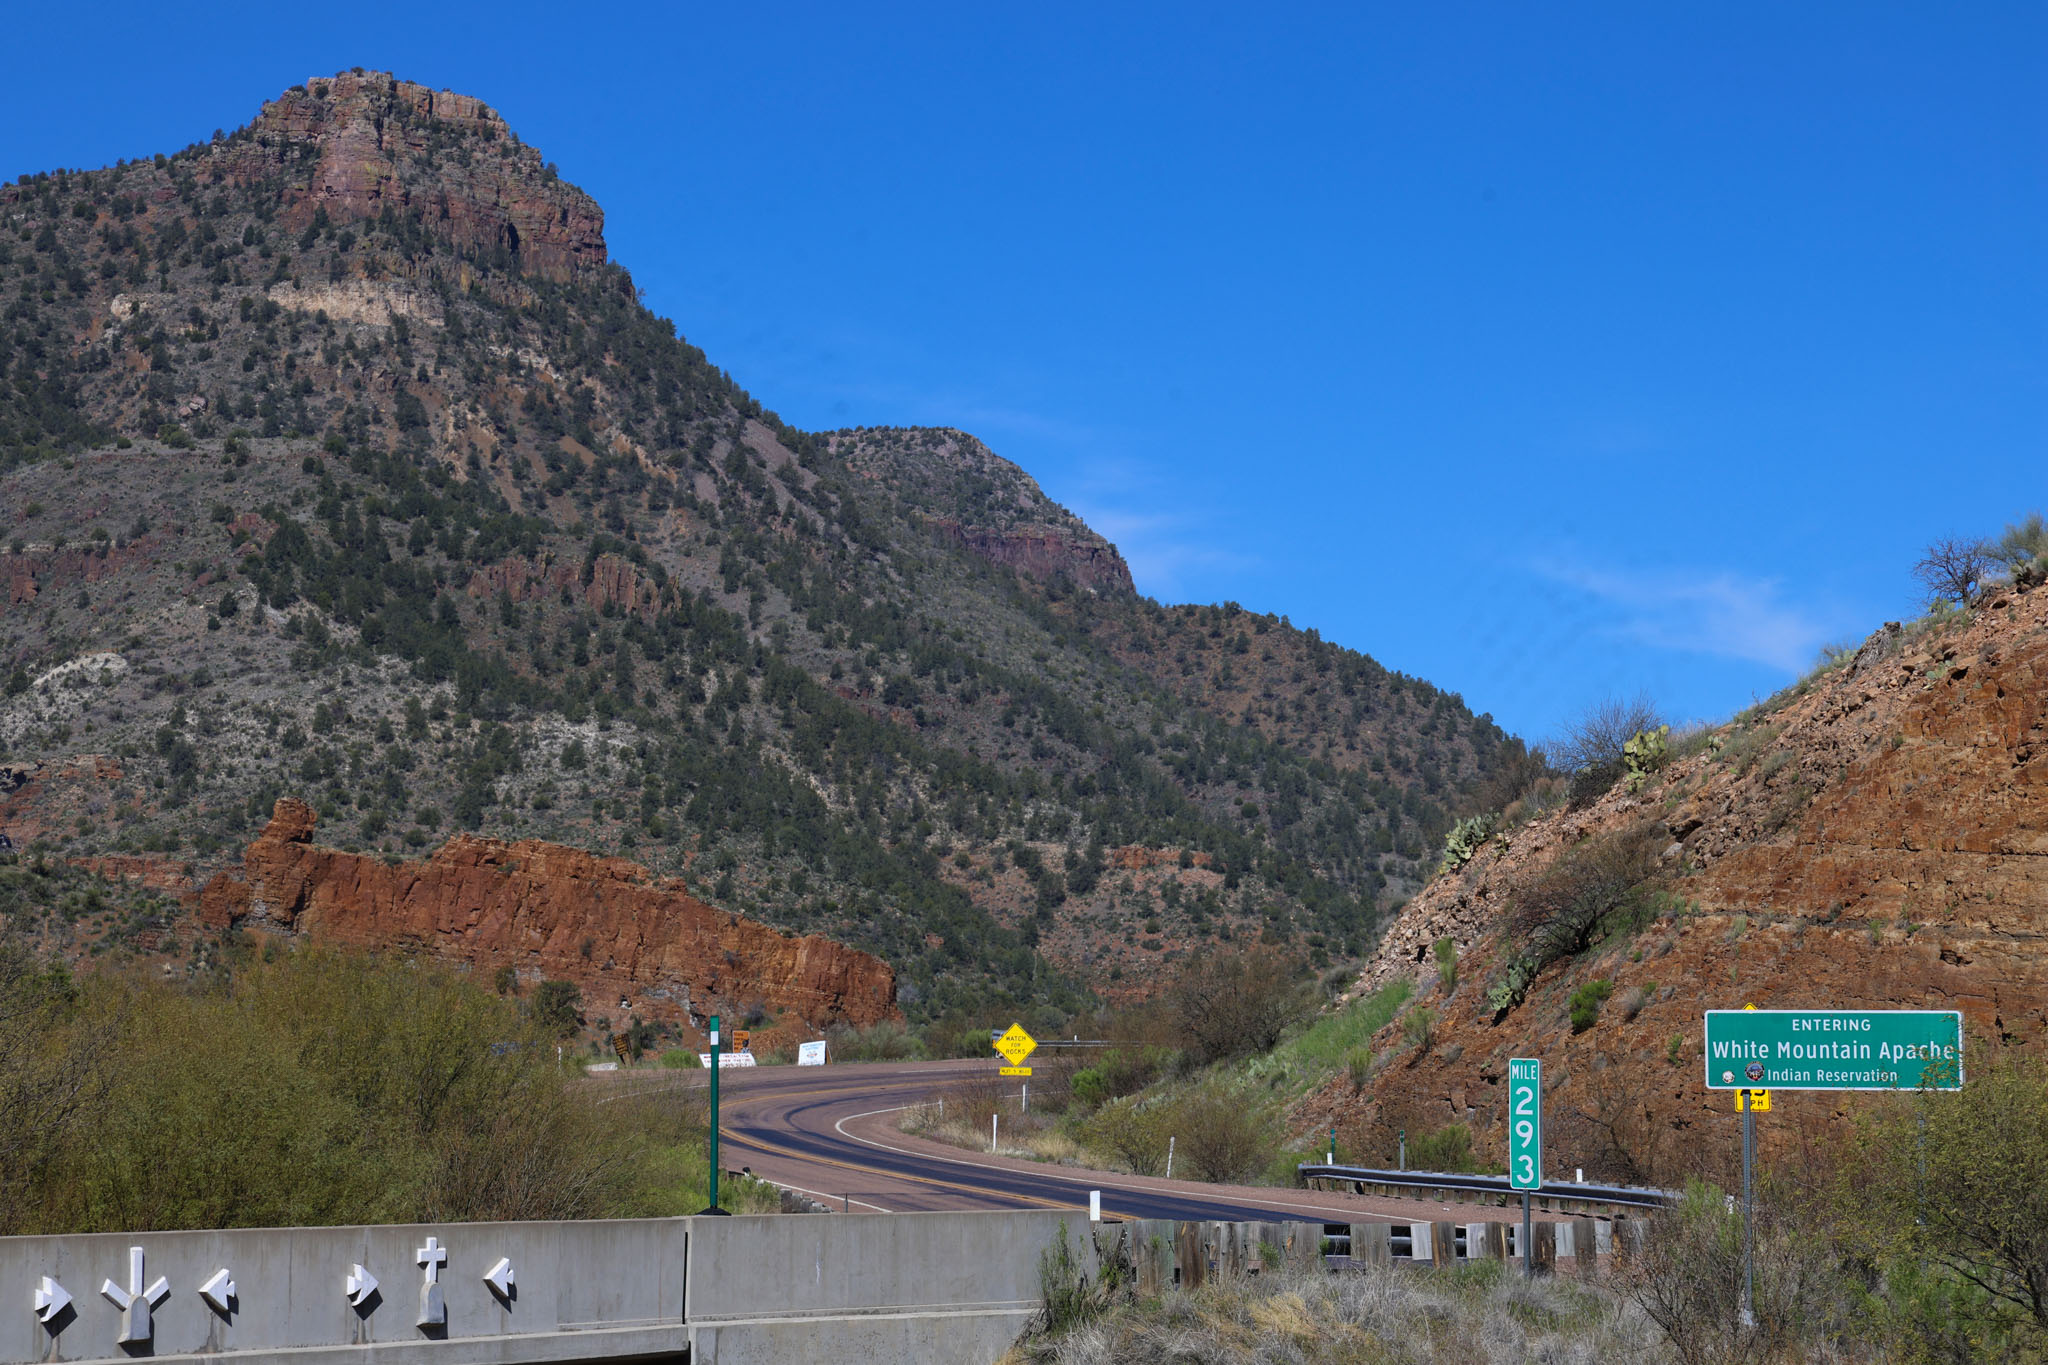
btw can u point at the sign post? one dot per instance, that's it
(1754, 1052)
(1525, 1140)
(1015, 1045)
(714, 1117)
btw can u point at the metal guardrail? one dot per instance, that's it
(1624, 1196)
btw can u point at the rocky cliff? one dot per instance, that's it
(547, 911)
(973, 498)
(357, 144)
(1874, 837)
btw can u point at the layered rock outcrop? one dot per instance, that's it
(547, 911)
(1045, 552)
(1876, 839)
(605, 581)
(358, 143)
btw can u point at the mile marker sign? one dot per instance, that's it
(1525, 1123)
(1834, 1049)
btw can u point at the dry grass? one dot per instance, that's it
(1473, 1314)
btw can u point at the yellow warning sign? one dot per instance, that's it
(1016, 1045)
(1755, 1101)
(1013, 1071)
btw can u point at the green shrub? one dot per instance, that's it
(887, 1041)
(1447, 964)
(1419, 1027)
(1447, 1149)
(1585, 890)
(1134, 1133)
(282, 1095)
(1224, 1131)
(1586, 1001)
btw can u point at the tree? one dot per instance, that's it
(1953, 569)
(1596, 737)
(1235, 1003)
(556, 1005)
(1960, 1180)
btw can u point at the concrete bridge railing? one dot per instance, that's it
(730, 1291)
(944, 1288)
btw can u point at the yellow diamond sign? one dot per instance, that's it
(1016, 1045)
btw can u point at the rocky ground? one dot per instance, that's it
(1873, 836)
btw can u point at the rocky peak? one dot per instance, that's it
(357, 144)
(978, 500)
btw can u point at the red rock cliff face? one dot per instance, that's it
(1047, 552)
(547, 911)
(374, 142)
(1877, 841)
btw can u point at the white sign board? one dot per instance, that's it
(811, 1054)
(726, 1059)
(608, 1066)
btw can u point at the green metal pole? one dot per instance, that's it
(714, 1117)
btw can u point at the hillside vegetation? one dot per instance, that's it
(337, 460)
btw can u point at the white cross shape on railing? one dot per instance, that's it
(433, 1308)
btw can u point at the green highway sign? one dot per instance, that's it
(1525, 1123)
(1834, 1049)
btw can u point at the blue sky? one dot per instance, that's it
(1544, 351)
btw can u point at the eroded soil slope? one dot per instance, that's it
(1873, 837)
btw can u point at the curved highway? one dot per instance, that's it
(831, 1133)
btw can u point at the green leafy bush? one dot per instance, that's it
(282, 1095)
(1446, 951)
(1584, 1005)
(1447, 1149)
(1585, 889)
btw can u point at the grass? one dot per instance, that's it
(1471, 1313)
(1322, 1048)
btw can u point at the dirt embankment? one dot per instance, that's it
(1876, 839)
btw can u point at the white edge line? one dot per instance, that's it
(785, 1185)
(840, 1128)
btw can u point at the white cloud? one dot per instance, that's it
(1166, 552)
(1718, 612)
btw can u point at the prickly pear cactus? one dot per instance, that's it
(1644, 753)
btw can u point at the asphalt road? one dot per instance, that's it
(831, 1132)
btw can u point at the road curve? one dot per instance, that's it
(830, 1132)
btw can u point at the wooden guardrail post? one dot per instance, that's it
(1190, 1256)
(1585, 1257)
(1544, 1243)
(1372, 1242)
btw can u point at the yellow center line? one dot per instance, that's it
(746, 1140)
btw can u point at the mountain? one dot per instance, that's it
(1871, 837)
(339, 462)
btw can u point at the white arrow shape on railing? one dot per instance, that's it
(51, 1299)
(359, 1285)
(136, 1301)
(218, 1290)
(499, 1278)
